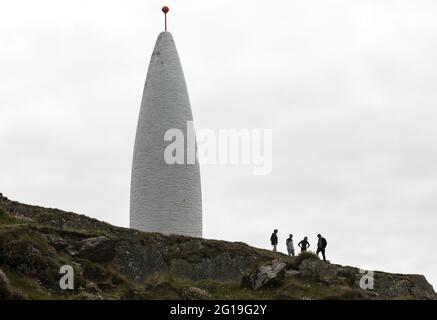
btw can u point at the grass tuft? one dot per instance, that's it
(6, 218)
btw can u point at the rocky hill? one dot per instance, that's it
(116, 263)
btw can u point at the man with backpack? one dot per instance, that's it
(274, 239)
(321, 246)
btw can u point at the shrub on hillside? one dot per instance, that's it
(303, 256)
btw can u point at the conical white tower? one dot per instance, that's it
(165, 197)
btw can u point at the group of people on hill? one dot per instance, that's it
(303, 245)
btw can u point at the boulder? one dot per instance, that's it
(318, 270)
(98, 249)
(267, 275)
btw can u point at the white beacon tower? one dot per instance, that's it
(165, 197)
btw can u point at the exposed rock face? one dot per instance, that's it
(268, 275)
(116, 263)
(386, 285)
(138, 260)
(319, 271)
(188, 258)
(407, 286)
(98, 249)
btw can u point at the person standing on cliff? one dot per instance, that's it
(290, 246)
(274, 239)
(321, 246)
(304, 244)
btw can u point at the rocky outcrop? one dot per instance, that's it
(98, 249)
(268, 275)
(385, 285)
(197, 259)
(139, 259)
(117, 263)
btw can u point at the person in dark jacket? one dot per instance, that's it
(304, 244)
(321, 246)
(274, 239)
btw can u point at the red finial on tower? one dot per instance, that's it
(165, 9)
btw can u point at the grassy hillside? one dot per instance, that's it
(117, 263)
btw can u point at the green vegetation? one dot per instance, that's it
(301, 257)
(6, 219)
(167, 286)
(228, 290)
(307, 255)
(300, 288)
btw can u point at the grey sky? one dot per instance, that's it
(348, 87)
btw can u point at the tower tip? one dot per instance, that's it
(165, 9)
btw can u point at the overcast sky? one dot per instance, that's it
(348, 87)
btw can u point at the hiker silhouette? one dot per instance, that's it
(304, 244)
(274, 239)
(321, 246)
(290, 246)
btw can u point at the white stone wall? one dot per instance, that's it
(164, 198)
